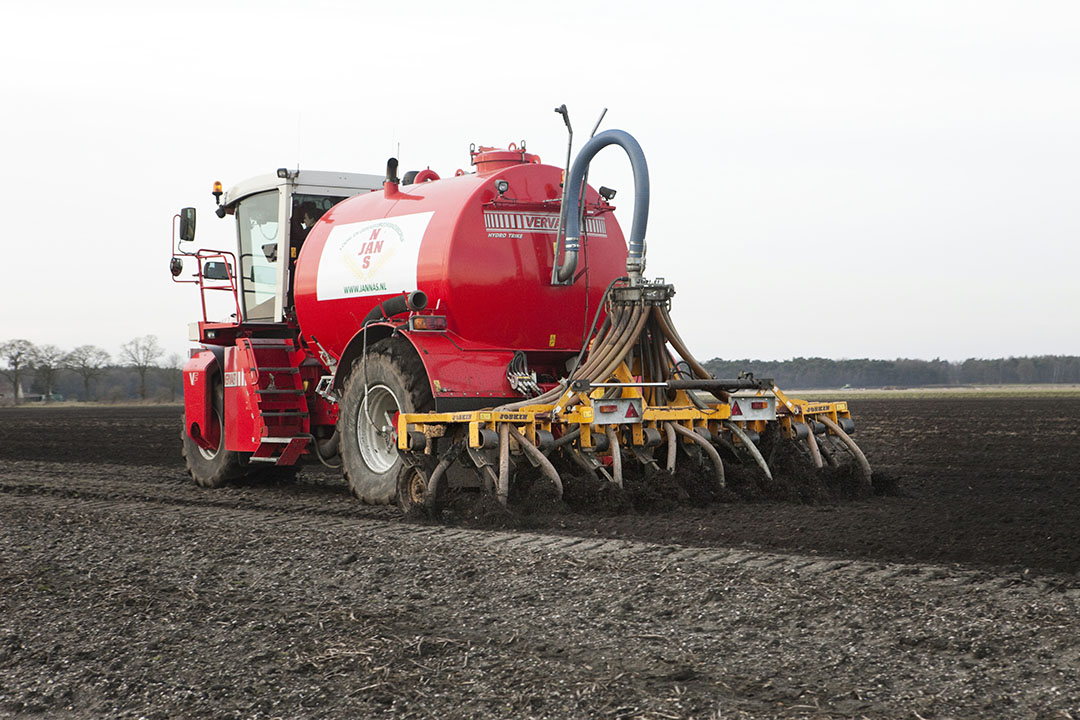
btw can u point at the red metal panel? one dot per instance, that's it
(292, 451)
(202, 426)
(462, 370)
(265, 392)
(241, 433)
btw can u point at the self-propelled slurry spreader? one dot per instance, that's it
(425, 332)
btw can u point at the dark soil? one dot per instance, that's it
(950, 590)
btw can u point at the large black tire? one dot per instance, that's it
(212, 468)
(395, 382)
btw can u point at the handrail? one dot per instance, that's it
(228, 284)
(203, 256)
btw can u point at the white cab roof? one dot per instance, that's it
(314, 182)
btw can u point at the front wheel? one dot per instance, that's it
(212, 468)
(393, 382)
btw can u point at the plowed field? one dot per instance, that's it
(125, 591)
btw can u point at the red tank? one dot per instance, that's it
(482, 247)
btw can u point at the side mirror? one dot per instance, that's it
(216, 271)
(187, 224)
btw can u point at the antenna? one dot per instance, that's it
(585, 181)
(299, 118)
(598, 121)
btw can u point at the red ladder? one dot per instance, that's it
(279, 399)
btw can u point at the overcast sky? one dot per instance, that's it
(843, 179)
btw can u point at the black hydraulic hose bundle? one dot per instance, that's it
(606, 343)
(603, 362)
(676, 341)
(639, 317)
(607, 347)
(607, 320)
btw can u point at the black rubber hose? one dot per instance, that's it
(329, 448)
(416, 300)
(638, 317)
(603, 350)
(596, 316)
(680, 347)
(608, 329)
(571, 209)
(641, 318)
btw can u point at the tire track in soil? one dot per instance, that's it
(156, 485)
(987, 483)
(555, 620)
(920, 576)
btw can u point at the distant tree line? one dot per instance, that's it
(816, 372)
(47, 373)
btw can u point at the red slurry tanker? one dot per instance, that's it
(424, 332)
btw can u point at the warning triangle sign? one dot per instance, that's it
(735, 409)
(631, 412)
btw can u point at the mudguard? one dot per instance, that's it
(462, 375)
(199, 420)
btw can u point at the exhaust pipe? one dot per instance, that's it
(390, 184)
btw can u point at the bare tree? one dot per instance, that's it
(142, 354)
(88, 362)
(48, 360)
(173, 365)
(17, 357)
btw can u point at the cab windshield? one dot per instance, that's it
(257, 223)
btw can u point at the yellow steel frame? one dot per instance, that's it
(574, 410)
(798, 411)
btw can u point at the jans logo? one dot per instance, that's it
(365, 251)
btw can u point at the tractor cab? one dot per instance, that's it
(273, 215)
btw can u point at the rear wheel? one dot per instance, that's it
(394, 381)
(212, 468)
